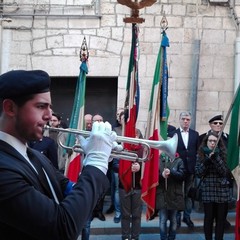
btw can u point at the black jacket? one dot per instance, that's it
(47, 147)
(27, 213)
(170, 195)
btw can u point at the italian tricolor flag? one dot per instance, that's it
(131, 109)
(73, 165)
(156, 127)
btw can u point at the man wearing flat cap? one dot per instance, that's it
(36, 200)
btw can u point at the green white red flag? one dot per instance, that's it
(233, 153)
(73, 165)
(156, 124)
(131, 108)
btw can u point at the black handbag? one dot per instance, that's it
(195, 193)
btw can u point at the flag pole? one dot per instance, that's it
(156, 123)
(73, 161)
(131, 105)
(226, 118)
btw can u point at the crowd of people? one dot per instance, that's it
(29, 179)
(176, 177)
(204, 158)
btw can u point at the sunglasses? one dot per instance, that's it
(216, 123)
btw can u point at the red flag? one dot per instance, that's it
(74, 167)
(150, 178)
(131, 109)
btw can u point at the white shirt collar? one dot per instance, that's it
(14, 142)
(181, 130)
(22, 149)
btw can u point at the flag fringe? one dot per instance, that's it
(149, 189)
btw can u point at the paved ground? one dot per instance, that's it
(106, 230)
(196, 236)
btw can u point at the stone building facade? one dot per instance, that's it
(48, 34)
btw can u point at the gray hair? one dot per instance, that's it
(184, 114)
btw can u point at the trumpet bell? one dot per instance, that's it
(169, 146)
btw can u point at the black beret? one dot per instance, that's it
(216, 118)
(19, 83)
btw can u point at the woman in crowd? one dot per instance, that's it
(212, 166)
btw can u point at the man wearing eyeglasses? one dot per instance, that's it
(216, 124)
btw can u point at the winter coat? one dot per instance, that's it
(172, 197)
(217, 182)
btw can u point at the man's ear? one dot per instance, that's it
(9, 107)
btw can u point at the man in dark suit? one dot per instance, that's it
(36, 200)
(170, 129)
(187, 149)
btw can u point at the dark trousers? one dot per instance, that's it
(99, 206)
(131, 211)
(217, 212)
(86, 230)
(188, 183)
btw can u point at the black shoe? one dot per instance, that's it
(227, 225)
(188, 222)
(100, 216)
(117, 219)
(178, 221)
(153, 216)
(110, 210)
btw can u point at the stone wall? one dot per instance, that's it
(48, 36)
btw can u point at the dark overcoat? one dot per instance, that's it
(170, 195)
(189, 154)
(27, 212)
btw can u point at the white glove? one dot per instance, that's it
(117, 147)
(98, 145)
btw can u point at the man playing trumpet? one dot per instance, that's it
(36, 200)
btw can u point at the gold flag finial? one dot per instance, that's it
(135, 6)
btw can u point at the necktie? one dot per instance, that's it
(38, 166)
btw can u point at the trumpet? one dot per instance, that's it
(169, 146)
